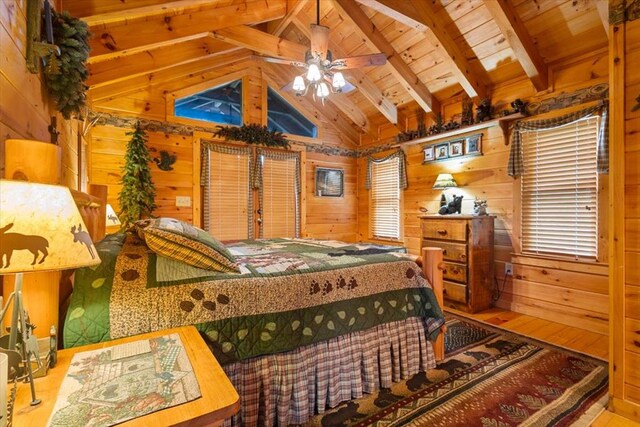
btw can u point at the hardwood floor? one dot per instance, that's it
(580, 340)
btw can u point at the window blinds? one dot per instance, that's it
(280, 198)
(229, 194)
(560, 190)
(385, 199)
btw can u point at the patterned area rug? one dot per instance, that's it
(490, 378)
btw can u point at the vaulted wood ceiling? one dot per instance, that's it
(435, 49)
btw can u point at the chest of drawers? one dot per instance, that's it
(467, 244)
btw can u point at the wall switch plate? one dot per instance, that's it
(508, 269)
(183, 201)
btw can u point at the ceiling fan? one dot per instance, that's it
(323, 73)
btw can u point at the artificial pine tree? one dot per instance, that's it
(138, 192)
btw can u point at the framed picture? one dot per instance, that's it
(442, 151)
(455, 148)
(329, 182)
(429, 154)
(473, 144)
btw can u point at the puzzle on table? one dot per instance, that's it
(111, 385)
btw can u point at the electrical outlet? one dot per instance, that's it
(183, 201)
(508, 269)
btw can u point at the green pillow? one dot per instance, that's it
(184, 242)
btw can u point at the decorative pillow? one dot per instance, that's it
(184, 242)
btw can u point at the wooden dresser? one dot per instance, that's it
(467, 243)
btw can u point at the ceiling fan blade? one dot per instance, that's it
(280, 61)
(319, 40)
(288, 87)
(359, 61)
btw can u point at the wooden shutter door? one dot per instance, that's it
(280, 194)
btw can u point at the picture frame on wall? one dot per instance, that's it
(429, 153)
(329, 182)
(455, 148)
(473, 144)
(442, 151)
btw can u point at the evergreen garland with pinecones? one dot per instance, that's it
(253, 134)
(65, 74)
(138, 191)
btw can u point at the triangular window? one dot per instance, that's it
(283, 117)
(221, 104)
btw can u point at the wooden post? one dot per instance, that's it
(432, 266)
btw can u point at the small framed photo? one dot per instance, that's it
(442, 151)
(455, 148)
(429, 154)
(473, 144)
(329, 182)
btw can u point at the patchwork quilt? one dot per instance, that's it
(289, 293)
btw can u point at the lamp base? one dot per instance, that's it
(27, 339)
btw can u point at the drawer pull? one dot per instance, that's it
(442, 232)
(444, 252)
(463, 256)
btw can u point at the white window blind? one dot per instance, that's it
(560, 190)
(229, 196)
(385, 199)
(280, 199)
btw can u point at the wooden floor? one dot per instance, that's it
(580, 340)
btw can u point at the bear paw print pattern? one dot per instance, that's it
(199, 296)
(328, 287)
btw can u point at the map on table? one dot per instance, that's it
(111, 385)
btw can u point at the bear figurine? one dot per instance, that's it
(454, 206)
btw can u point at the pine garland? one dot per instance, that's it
(65, 74)
(138, 191)
(253, 134)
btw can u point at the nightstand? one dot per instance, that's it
(219, 399)
(467, 244)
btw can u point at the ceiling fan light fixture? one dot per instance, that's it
(338, 81)
(313, 73)
(322, 90)
(298, 84)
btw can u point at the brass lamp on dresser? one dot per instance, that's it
(467, 244)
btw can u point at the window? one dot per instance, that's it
(221, 104)
(283, 117)
(560, 190)
(385, 199)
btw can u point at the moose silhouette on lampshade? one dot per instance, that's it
(10, 242)
(84, 238)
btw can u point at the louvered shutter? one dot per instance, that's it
(229, 195)
(385, 199)
(560, 190)
(280, 198)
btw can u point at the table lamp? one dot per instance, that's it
(112, 219)
(40, 230)
(444, 181)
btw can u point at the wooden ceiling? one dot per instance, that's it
(435, 49)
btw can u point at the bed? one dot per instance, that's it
(305, 325)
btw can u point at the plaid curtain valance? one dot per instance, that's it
(402, 171)
(515, 167)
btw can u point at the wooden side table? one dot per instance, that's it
(219, 399)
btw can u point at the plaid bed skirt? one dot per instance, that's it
(290, 387)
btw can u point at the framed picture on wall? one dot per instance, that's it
(429, 154)
(329, 182)
(455, 148)
(442, 151)
(473, 144)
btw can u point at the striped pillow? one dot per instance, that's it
(184, 242)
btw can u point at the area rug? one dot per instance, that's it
(489, 378)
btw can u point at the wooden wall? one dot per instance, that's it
(325, 217)
(568, 292)
(25, 108)
(625, 219)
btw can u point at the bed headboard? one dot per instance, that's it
(93, 209)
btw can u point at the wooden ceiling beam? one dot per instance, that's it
(165, 29)
(327, 112)
(521, 43)
(152, 60)
(137, 83)
(421, 15)
(365, 85)
(603, 12)
(84, 8)
(278, 26)
(400, 70)
(261, 42)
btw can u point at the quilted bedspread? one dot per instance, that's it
(289, 293)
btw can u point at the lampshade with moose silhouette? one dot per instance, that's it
(41, 229)
(112, 218)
